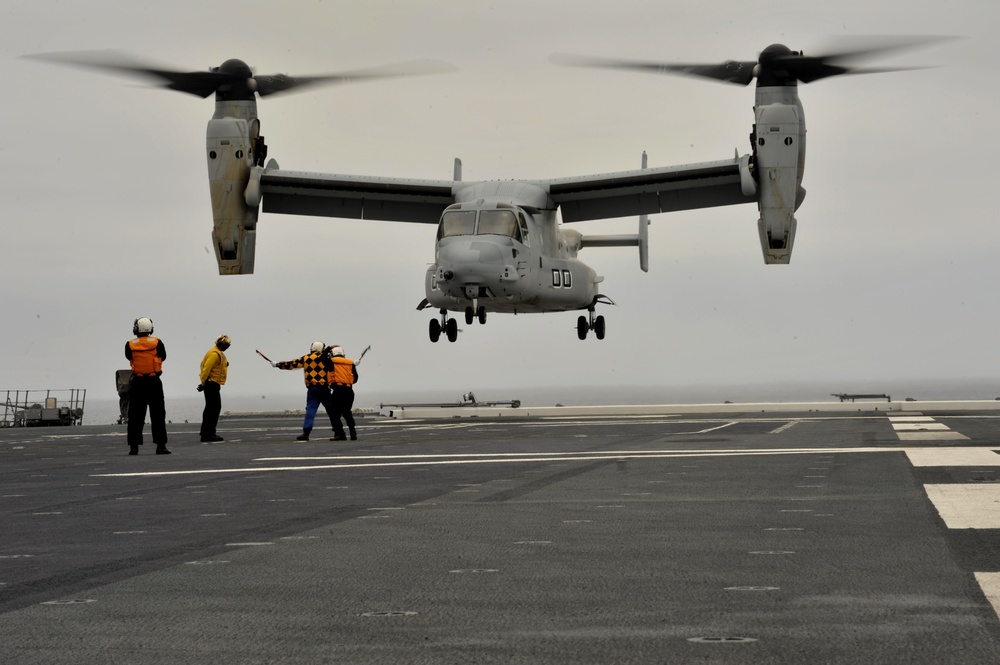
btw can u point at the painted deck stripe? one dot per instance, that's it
(975, 457)
(967, 506)
(931, 436)
(919, 427)
(990, 583)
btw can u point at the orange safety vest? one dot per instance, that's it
(342, 374)
(145, 362)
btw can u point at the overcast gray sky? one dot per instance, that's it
(106, 214)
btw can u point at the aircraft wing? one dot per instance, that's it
(355, 197)
(654, 190)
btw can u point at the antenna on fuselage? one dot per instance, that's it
(458, 170)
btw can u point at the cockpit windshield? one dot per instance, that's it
(457, 223)
(491, 222)
(498, 222)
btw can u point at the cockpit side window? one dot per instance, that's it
(499, 222)
(457, 223)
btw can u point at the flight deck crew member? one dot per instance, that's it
(315, 367)
(214, 368)
(342, 379)
(146, 354)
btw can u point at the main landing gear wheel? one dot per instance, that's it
(584, 324)
(447, 326)
(599, 327)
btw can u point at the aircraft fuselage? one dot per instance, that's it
(507, 254)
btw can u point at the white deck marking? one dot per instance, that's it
(967, 506)
(990, 582)
(931, 436)
(923, 428)
(953, 457)
(514, 458)
(785, 427)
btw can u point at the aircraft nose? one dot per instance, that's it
(470, 252)
(471, 261)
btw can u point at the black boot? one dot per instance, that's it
(305, 434)
(162, 450)
(133, 450)
(354, 435)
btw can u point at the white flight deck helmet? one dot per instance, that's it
(336, 352)
(142, 326)
(317, 347)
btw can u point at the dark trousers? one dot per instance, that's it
(343, 402)
(213, 407)
(143, 392)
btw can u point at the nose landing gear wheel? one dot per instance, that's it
(471, 314)
(451, 329)
(435, 330)
(582, 327)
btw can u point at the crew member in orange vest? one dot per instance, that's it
(146, 353)
(342, 379)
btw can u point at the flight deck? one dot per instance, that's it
(853, 536)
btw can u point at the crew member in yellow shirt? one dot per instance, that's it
(214, 368)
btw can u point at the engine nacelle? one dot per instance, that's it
(230, 145)
(779, 156)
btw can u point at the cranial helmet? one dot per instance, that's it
(317, 347)
(223, 342)
(336, 352)
(142, 326)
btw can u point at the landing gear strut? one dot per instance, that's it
(588, 323)
(448, 326)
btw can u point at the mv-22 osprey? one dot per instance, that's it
(500, 246)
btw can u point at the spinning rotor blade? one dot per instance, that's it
(233, 79)
(270, 85)
(730, 71)
(776, 65)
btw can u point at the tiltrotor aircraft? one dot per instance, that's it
(500, 246)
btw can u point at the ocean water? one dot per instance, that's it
(189, 408)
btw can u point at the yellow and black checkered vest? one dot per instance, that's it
(313, 368)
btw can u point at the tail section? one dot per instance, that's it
(640, 239)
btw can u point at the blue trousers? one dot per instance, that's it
(316, 395)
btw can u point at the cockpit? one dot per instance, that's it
(501, 221)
